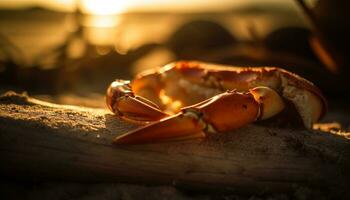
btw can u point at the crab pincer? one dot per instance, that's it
(123, 102)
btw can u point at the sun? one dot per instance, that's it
(103, 7)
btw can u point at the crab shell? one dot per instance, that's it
(182, 84)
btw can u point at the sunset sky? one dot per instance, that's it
(120, 6)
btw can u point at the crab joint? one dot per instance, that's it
(270, 102)
(198, 116)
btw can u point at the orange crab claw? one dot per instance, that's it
(134, 109)
(229, 111)
(221, 113)
(176, 127)
(122, 101)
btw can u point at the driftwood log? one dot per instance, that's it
(50, 141)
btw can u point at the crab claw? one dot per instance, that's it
(221, 113)
(128, 106)
(177, 127)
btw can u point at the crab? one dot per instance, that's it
(189, 99)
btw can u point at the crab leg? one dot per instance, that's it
(221, 113)
(128, 106)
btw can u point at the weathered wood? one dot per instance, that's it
(39, 139)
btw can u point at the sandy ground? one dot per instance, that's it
(40, 189)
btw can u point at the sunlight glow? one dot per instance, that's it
(101, 21)
(104, 7)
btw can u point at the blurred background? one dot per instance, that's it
(68, 51)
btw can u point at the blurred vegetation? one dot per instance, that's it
(50, 52)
